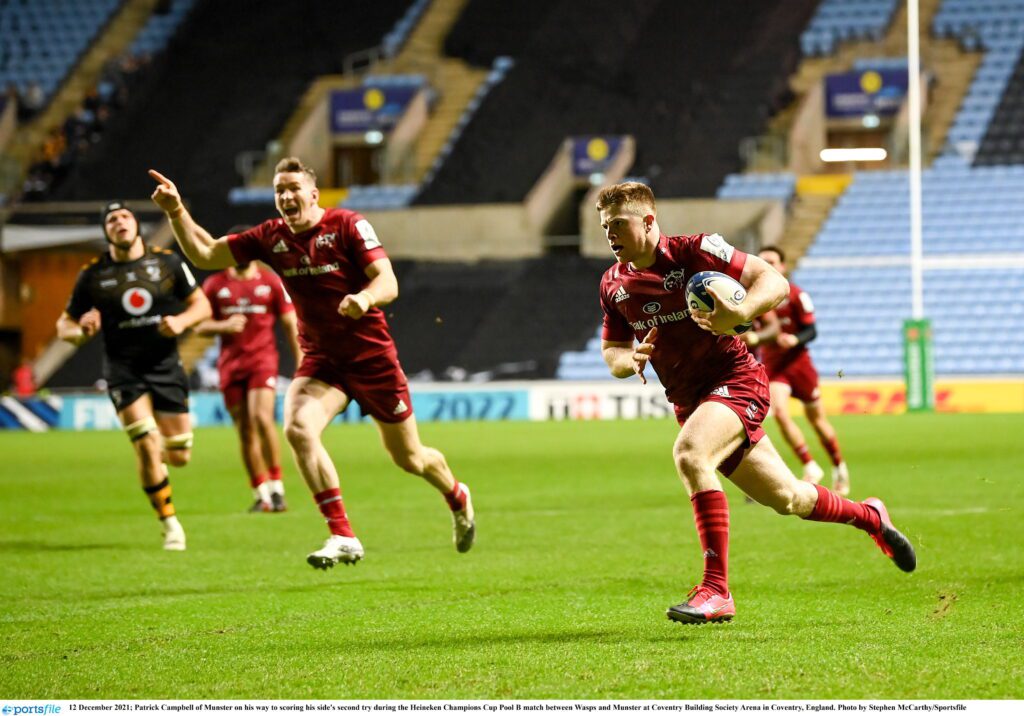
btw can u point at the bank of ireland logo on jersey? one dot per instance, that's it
(137, 301)
(652, 308)
(674, 280)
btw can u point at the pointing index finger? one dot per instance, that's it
(651, 335)
(160, 177)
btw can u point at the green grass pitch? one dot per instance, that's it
(584, 538)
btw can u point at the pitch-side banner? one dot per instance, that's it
(541, 400)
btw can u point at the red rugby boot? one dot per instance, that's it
(703, 606)
(890, 540)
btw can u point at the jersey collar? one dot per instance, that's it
(659, 249)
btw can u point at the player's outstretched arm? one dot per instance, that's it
(196, 242)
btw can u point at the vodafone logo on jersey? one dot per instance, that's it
(137, 301)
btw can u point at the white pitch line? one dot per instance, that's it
(946, 513)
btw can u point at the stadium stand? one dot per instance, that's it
(838, 20)
(973, 225)
(543, 56)
(997, 27)
(190, 140)
(966, 210)
(573, 82)
(972, 217)
(395, 39)
(767, 185)
(160, 27)
(390, 196)
(40, 40)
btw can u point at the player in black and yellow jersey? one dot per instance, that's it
(143, 299)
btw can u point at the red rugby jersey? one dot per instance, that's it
(319, 267)
(795, 313)
(261, 299)
(689, 361)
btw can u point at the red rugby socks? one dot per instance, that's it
(803, 453)
(832, 445)
(830, 507)
(333, 510)
(711, 513)
(456, 499)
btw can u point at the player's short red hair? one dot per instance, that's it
(632, 196)
(294, 165)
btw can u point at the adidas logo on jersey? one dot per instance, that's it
(621, 295)
(721, 391)
(401, 407)
(280, 247)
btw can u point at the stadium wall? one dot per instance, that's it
(458, 233)
(537, 400)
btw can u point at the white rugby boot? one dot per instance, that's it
(174, 535)
(813, 473)
(841, 479)
(463, 524)
(337, 549)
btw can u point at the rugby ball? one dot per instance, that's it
(699, 299)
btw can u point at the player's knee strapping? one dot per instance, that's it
(140, 428)
(179, 442)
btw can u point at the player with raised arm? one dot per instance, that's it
(719, 391)
(247, 301)
(137, 294)
(782, 336)
(338, 275)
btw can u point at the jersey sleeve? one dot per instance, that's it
(249, 245)
(361, 240)
(614, 326)
(184, 281)
(803, 308)
(81, 298)
(710, 252)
